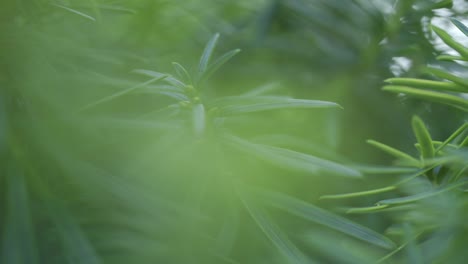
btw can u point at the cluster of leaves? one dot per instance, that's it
(199, 180)
(429, 210)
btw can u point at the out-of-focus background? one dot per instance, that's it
(101, 186)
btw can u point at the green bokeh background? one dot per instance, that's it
(101, 187)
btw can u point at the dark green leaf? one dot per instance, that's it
(460, 26)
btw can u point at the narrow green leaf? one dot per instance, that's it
(207, 53)
(263, 89)
(460, 26)
(274, 233)
(395, 152)
(199, 119)
(464, 143)
(168, 78)
(212, 68)
(446, 57)
(358, 194)
(126, 91)
(442, 4)
(233, 105)
(75, 12)
(318, 215)
(437, 97)
(446, 75)
(383, 169)
(19, 242)
(420, 196)
(428, 84)
(350, 251)
(423, 137)
(182, 72)
(450, 41)
(454, 135)
(290, 159)
(365, 210)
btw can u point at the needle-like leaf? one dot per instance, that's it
(428, 84)
(423, 137)
(207, 54)
(460, 26)
(290, 159)
(322, 217)
(438, 97)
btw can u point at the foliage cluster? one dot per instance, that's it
(109, 155)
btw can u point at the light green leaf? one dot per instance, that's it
(446, 75)
(199, 119)
(207, 53)
(454, 135)
(428, 84)
(123, 92)
(263, 89)
(423, 137)
(290, 159)
(446, 57)
(383, 169)
(437, 97)
(358, 194)
(212, 68)
(75, 12)
(233, 105)
(168, 78)
(460, 26)
(182, 72)
(450, 41)
(395, 152)
(420, 196)
(274, 233)
(366, 210)
(325, 218)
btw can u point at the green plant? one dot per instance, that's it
(428, 205)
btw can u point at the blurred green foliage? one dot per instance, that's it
(112, 153)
